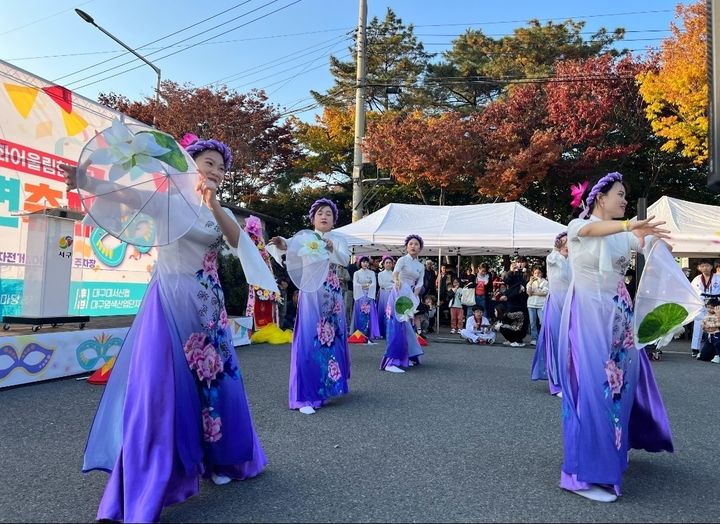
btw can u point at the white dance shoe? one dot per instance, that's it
(220, 479)
(596, 493)
(307, 410)
(394, 369)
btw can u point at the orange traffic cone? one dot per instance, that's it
(357, 338)
(102, 375)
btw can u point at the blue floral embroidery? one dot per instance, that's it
(209, 352)
(329, 339)
(617, 364)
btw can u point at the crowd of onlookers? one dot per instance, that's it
(508, 301)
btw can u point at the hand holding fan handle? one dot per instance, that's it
(643, 228)
(278, 242)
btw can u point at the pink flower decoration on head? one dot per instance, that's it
(577, 191)
(253, 226)
(188, 139)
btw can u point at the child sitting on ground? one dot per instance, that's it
(711, 331)
(425, 314)
(477, 328)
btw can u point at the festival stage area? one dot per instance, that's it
(67, 350)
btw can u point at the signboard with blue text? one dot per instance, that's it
(44, 125)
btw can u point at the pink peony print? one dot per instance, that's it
(334, 370)
(623, 294)
(332, 280)
(210, 264)
(211, 426)
(618, 437)
(209, 365)
(223, 318)
(614, 376)
(194, 348)
(629, 340)
(337, 307)
(365, 308)
(326, 332)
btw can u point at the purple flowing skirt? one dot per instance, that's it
(402, 343)
(611, 402)
(381, 307)
(320, 355)
(365, 317)
(544, 364)
(150, 428)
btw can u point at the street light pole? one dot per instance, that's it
(357, 188)
(90, 20)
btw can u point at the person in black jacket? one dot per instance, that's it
(430, 279)
(516, 281)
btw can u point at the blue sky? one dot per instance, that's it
(285, 52)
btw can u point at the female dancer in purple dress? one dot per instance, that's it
(385, 285)
(403, 349)
(365, 317)
(320, 357)
(611, 402)
(544, 366)
(175, 407)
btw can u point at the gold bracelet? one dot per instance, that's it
(626, 223)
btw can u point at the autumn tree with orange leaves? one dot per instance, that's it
(264, 149)
(426, 152)
(676, 91)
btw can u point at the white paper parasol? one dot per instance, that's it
(307, 260)
(665, 300)
(139, 185)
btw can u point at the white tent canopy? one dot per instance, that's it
(484, 229)
(694, 227)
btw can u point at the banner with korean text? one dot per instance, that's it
(41, 126)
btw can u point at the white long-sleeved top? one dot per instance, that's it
(385, 279)
(364, 284)
(410, 271)
(340, 254)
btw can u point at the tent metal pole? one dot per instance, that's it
(437, 296)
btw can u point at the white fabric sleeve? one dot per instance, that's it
(358, 291)
(372, 291)
(399, 265)
(421, 277)
(257, 272)
(276, 252)
(340, 254)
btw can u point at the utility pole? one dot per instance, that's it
(357, 188)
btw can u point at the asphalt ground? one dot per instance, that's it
(467, 437)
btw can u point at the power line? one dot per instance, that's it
(325, 54)
(580, 32)
(280, 60)
(189, 47)
(616, 42)
(41, 19)
(133, 60)
(547, 19)
(161, 38)
(302, 73)
(116, 51)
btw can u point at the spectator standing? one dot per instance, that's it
(457, 318)
(430, 279)
(706, 283)
(537, 290)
